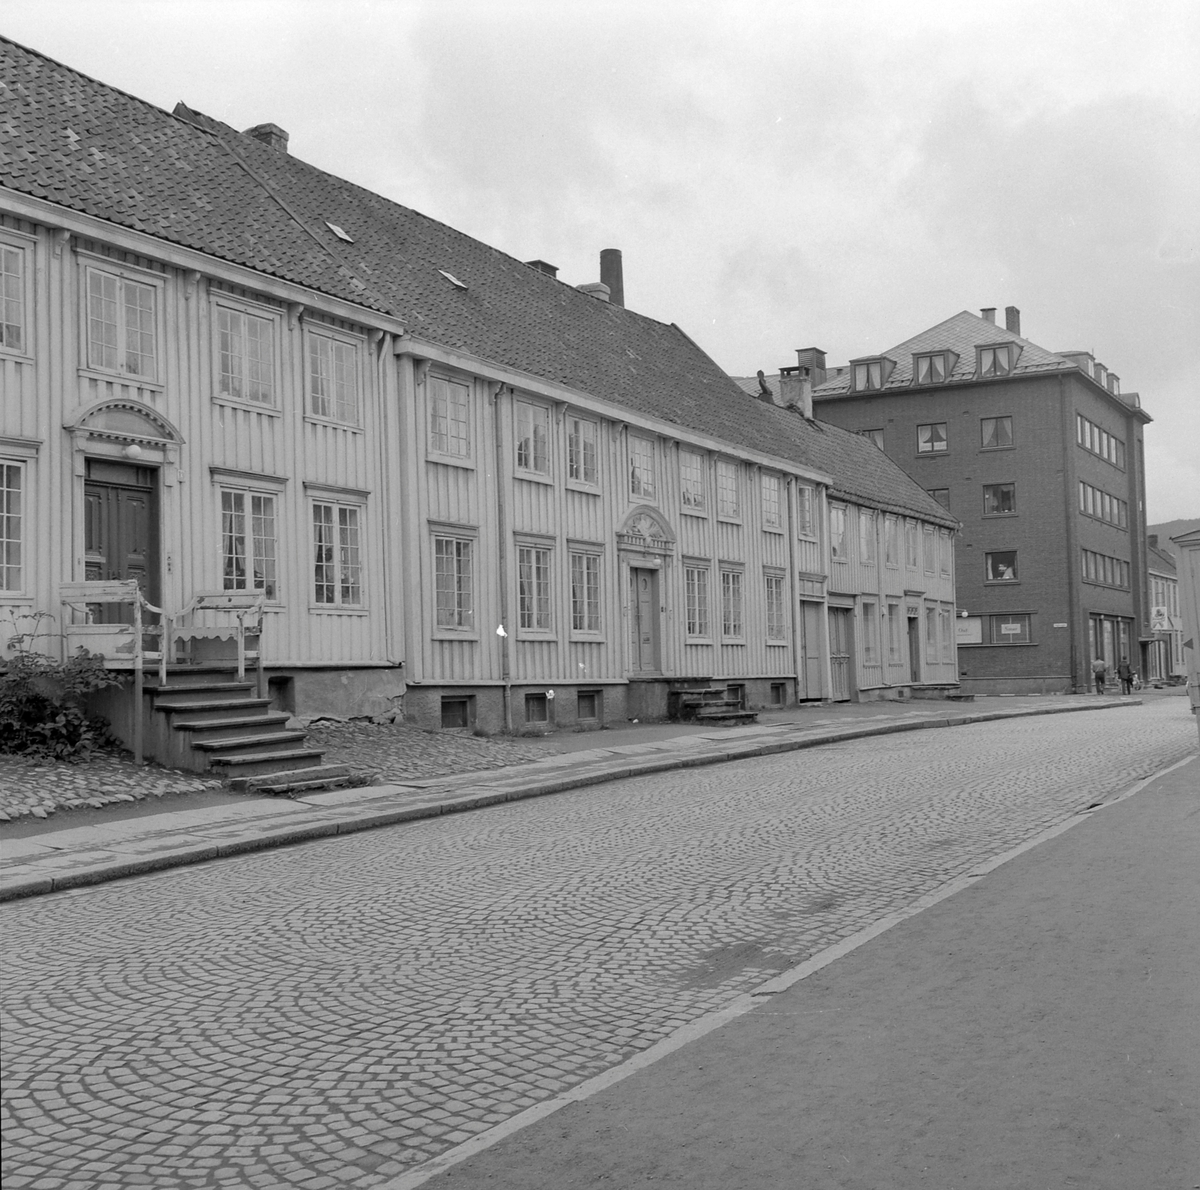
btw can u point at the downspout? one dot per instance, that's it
(502, 551)
(793, 584)
(385, 363)
(827, 563)
(1075, 606)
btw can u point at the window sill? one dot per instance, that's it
(727, 519)
(776, 529)
(777, 644)
(588, 638)
(587, 489)
(1017, 644)
(324, 609)
(332, 423)
(533, 477)
(527, 634)
(696, 512)
(123, 378)
(998, 516)
(992, 449)
(463, 461)
(469, 634)
(20, 355)
(1004, 582)
(698, 640)
(250, 406)
(733, 640)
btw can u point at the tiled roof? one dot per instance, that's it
(961, 334)
(196, 182)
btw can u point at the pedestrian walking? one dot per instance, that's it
(1125, 673)
(1099, 670)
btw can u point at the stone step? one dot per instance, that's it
(316, 774)
(293, 788)
(246, 745)
(215, 708)
(242, 725)
(267, 762)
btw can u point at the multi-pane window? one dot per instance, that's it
(776, 607)
(729, 500)
(691, 481)
(12, 526)
(248, 542)
(1099, 442)
(999, 499)
(995, 361)
(995, 433)
(910, 544)
(449, 417)
(931, 438)
(1009, 630)
(1105, 570)
(583, 464)
(333, 378)
(931, 369)
(337, 555)
(946, 632)
(1000, 566)
(1097, 503)
(772, 503)
(893, 633)
(533, 589)
(929, 551)
(870, 634)
(245, 356)
(585, 592)
(454, 582)
(641, 468)
(731, 603)
(891, 541)
(866, 536)
(837, 532)
(945, 550)
(868, 376)
(931, 643)
(121, 335)
(533, 437)
(805, 519)
(695, 580)
(12, 298)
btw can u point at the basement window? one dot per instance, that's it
(537, 708)
(456, 712)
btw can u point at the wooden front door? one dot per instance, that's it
(841, 652)
(643, 620)
(121, 531)
(914, 649)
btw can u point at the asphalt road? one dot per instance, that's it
(335, 1014)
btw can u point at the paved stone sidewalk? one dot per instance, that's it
(73, 856)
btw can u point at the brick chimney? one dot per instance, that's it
(1152, 538)
(1012, 319)
(988, 313)
(612, 275)
(270, 135)
(795, 390)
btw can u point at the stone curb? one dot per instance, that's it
(326, 823)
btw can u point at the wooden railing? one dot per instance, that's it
(223, 615)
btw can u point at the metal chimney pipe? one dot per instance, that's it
(612, 275)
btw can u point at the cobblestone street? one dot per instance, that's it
(333, 1014)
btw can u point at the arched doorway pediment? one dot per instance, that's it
(646, 530)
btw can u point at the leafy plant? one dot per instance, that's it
(42, 700)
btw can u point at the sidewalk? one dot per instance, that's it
(1036, 1029)
(65, 856)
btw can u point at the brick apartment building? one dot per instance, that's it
(1039, 455)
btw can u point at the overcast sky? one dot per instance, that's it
(834, 173)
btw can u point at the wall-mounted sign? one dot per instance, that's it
(970, 630)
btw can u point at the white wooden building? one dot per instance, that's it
(465, 489)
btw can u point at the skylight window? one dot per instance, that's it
(452, 279)
(339, 232)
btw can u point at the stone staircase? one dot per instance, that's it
(713, 705)
(204, 720)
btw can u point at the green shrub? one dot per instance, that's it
(42, 701)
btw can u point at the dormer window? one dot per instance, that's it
(869, 375)
(931, 369)
(995, 361)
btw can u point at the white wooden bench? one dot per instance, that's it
(223, 615)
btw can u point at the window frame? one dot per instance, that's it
(340, 504)
(929, 560)
(433, 415)
(837, 533)
(867, 376)
(891, 542)
(251, 554)
(641, 456)
(1000, 512)
(535, 589)
(772, 512)
(869, 618)
(996, 351)
(997, 422)
(577, 460)
(591, 603)
(867, 546)
(775, 602)
(990, 567)
(123, 274)
(24, 248)
(912, 544)
(928, 445)
(729, 495)
(219, 301)
(20, 540)
(464, 611)
(733, 603)
(540, 415)
(693, 501)
(928, 358)
(321, 332)
(697, 601)
(806, 512)
(1005, 640)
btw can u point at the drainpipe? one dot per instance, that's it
(502, 549)
(793, 582)
(1075, 607)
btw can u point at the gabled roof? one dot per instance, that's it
(1160, 560)
(961, 334)
(193, 181)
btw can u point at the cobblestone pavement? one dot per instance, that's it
(335, 1013)
(394, 752)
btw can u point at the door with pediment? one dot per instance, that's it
(644, 621)
(121, 531)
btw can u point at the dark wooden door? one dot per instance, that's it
(914, 649)
(841, 653)
(121, 533)
(643, 619)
